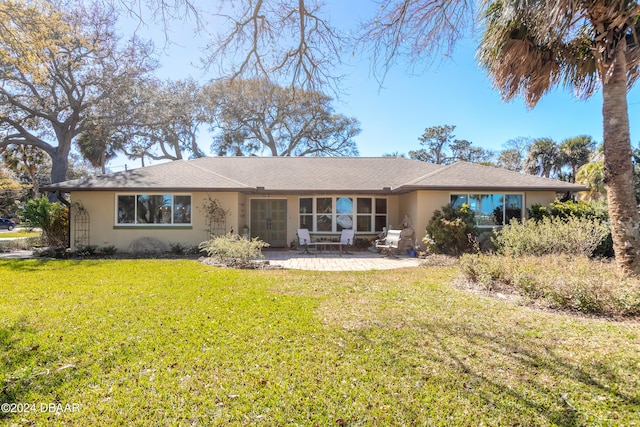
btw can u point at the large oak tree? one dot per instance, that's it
(48, 102)
(255, 116)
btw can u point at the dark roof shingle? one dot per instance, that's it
(312, 174)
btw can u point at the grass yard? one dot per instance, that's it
(17, 234)
(153, 343)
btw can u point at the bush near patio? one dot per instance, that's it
(451, 230)
(551, 235)
(547, 262)
(157, 342)
(234, 251)
(593, 210)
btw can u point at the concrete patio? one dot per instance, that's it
(332, 261)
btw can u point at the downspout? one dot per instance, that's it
(68, 205)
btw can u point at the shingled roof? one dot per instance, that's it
(312, 175)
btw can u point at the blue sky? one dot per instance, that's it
(454, 91)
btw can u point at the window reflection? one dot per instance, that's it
(491, 209)
(153, 209)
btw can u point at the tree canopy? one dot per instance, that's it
(256, 115)
(441, 147)
(49, 102)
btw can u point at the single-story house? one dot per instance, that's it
(184, 202)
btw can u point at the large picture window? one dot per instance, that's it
(141, 209)
(334, 214)
(491, 209)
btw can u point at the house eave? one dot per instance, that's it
(572, 189)
(52, 188)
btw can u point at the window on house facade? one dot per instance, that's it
(491, 209)
(138, 209)
(334, 214)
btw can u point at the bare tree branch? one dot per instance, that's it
(288, 42)
(420, 30)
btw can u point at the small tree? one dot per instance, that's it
(449, 230)
(51, 217)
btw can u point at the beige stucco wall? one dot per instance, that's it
(104, 232)
(419, 206)
(539, 197)
(394, 215)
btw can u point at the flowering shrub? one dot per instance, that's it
(233, 250)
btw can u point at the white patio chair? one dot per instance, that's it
(390, 243)
(346, 239)
(304, 239)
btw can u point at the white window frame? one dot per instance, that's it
(314, 214)
(135, 223)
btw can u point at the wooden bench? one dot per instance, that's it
(389, 243)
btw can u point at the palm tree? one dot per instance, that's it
(592, 175)
(575, 152)
(530, 47)
(543, 158)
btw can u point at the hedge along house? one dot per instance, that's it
(184, 202)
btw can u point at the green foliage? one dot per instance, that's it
(555, 235)
(109, 250)
(51, 217)
(581, 209)
(19, 244)
(177, 248)
(592, 210)
(559, 281)
(11, 191)
(86, 251)
(180, 249)
(450, 230)
(233, 250)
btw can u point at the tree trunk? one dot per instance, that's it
(618, 171)
(59, 165)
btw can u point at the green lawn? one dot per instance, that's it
(179, 343)
(23, 233)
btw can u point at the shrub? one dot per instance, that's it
(109, 250)
(449, 230)
(595, 210)
(487, 272)
(88, 250)
(233, 250)
(177, 248)
(570, 208)
(51, 217)
(568, 282)
(551, 235)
